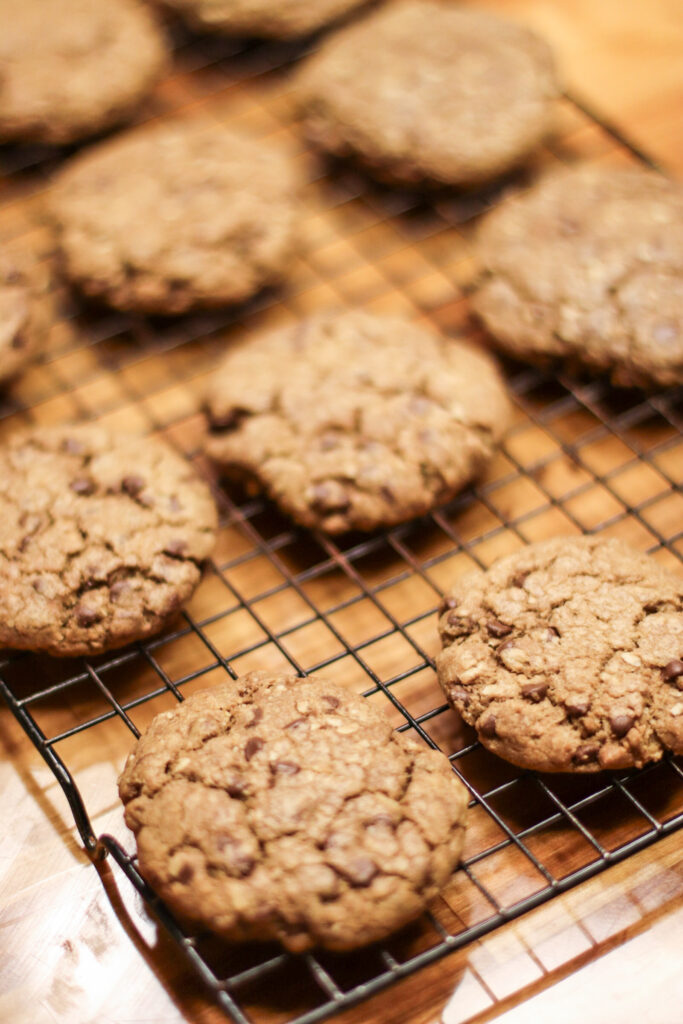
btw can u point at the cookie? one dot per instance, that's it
(24, 288)
(354, 421)
(71, 68)
(101, 535)
(567, 656)
(275, 807)
(286, 19)
(175, 216)
(428, 92)
(587, 267)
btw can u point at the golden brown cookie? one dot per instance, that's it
(282, 19)
(587, 267)
(176, 215)
(567, 656)
(427, 91)
(71, 68)
(274, 807)
(24, 313)
(102, 537)
(354, 421)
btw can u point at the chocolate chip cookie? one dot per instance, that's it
(274, 807)
(71, 68)
(425, 91)
(567, 656)
(286, 19)
(102, 537)
(587, 267)
(354, 421)
(24, 287)
(177, 215)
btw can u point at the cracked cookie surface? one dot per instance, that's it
(407, 90)
(353, 421)
(276, 807)
(70, 68)
(286, 19)
(176, 215)
(588, 267)
(24, 287)
(566, 656)
(101, 538)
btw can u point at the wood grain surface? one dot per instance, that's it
(76, 944)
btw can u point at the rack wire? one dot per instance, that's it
(580, 457)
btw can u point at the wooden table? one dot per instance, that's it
(75, 946)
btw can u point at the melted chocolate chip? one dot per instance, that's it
(236, 787)
(229, 420)
(186, 874)
(86, 616)
(360, 871)
(498, 629)
(535, 691)
(673, 673)
(505, 646)
(585, 753)
(285, 768)
(296, 724)
(176, 547)
(519, 579)
(19, 340)
(621, 722)
(459, 694)
(575, 708)
(252, 747)
(488, 727)
(388, 495)
(333, 702)
(133, 484)
(82, 485)
(256, 716)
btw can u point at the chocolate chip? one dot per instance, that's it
(498, 629)
(186, 874)
(256, 716)
(333, 702)
(585, 753)
(459, 694)
(673, 673)
(228, 420)
(388, 495)
(459, 625)
(285, 768)
(176, 547)
(38, 585)
(296, 724)
(621, 722)
(236, 787)
(72, 446)
(519, 579)
(252, 747)
(574, 708)
(19, 340)
(117, 589)
(243, 865)
(551, 633)
(448, 602)
(535, 691)
(86, 616)
(133, 484)
(360, 871)
(505, 646)
(82, 485)
(488, 727)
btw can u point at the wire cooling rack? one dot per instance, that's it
(580, 457)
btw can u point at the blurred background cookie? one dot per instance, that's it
(426, 91)
(71, 68)
(24, 309)
(175, 216)
(282, 19)
(588, 267)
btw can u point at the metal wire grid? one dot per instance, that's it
(641, 807)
